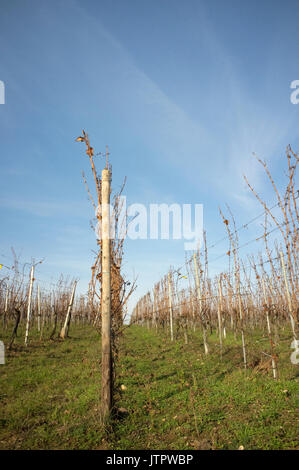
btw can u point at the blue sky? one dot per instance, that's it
(182, 92)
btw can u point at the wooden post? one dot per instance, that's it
(219, 315)
(65, 328)
(274, 368)
(191, 303)
(242, 327)
(200, 306)
(146, 300)
(267, 306)
(5, 308)
(170, 307)
(276, 335)
(183, 320)
(288, 296)
(223, 310)
(38, 308)
(43, 317)
(155, 310)
(29, 305)
(192, 308)
(106, 298)
(230, 309)
(97, 315)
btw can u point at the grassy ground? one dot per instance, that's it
(172, 396)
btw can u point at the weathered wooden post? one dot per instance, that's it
(242, 326)
(106, 298)
(38, 308)
(65, 328)
(267, 307)
(200, 305)
(155, 310)
(220, 315)
(288, 296)
(2, 353)
(29, 305)
(43, 317)
(170, 307)
(5, 308)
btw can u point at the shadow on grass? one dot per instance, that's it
(165, 376)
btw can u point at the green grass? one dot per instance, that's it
(175, 397)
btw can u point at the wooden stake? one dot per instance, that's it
(65, 328)
(170, 307)
(106, 299)
(288, 296)
(242, 328)
(155, 310)
(29, 305)
(43, 317)
(200, 305)
(274, 368)
(219, 316)
(38, 308)
(5, 308)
